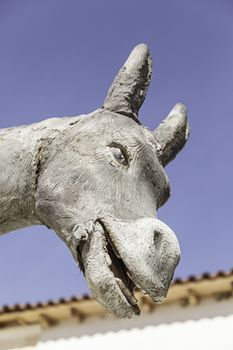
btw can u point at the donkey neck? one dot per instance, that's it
(19, 169)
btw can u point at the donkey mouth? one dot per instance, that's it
(120, 272)
(106, 274)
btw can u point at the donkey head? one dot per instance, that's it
(101, 185)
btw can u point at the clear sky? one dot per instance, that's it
(58, 58)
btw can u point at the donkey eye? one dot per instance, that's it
(119, 155)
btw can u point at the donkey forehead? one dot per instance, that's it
(107, 126)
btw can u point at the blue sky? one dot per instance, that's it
(58, 58)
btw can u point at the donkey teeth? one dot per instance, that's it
(108, 259)
(129, 274)
(126, 292)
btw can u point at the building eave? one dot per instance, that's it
(184, 292)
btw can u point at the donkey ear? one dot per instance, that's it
(128, 90)
(172, 134)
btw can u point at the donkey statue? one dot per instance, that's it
(97, 180)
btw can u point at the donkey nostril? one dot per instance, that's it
(157, 233)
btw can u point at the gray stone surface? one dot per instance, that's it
(97, 181)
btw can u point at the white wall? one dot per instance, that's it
(204, 334)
